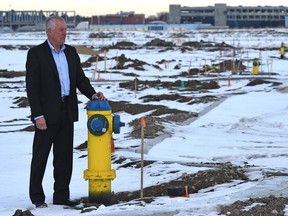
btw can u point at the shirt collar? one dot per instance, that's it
(53, 49)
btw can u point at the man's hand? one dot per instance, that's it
(41, 123)
(99, 96)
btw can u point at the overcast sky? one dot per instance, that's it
(96, 7)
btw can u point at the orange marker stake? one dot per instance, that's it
(186, 191)
(229, 81)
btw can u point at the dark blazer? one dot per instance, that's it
(43, 83)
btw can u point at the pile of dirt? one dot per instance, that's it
(21, 102)
(266, 206)
(127, 45)
(202, 44)
(102, 35)
(255, 82)
(20, 212)
(11, 74)
(88, 63)
(159, 43)
(18, 47)
(179, 35)
(124, 63)
(221, 174)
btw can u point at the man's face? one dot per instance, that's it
(57, 35)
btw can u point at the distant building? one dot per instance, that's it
(119, 18)
(35, 19)
(223, 15)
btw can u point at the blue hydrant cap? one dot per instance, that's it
(117, 124)
(98, 105)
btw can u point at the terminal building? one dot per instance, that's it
(234, 17)
(33, 19)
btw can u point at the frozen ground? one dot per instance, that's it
(224, 132)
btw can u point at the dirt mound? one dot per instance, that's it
(222, 174)
(124, 63)
(88, 63)
(262, 81)
(19, 212)
(21, 101)
(11, 74)
(158, 42)
(201, 44)
(123, 45)
(263, 206)
(101, 35)
(20, 47)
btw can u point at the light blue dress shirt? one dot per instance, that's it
(62, 68)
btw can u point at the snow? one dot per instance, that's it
(249, 126)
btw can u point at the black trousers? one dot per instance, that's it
(60, 136)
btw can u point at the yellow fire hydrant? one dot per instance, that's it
(282, 50)
(101, 124)
(256, 64)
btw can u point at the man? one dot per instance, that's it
(53, 75)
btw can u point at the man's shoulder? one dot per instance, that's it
(40, 46)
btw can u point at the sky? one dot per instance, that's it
(96, 7)
(249, 126)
